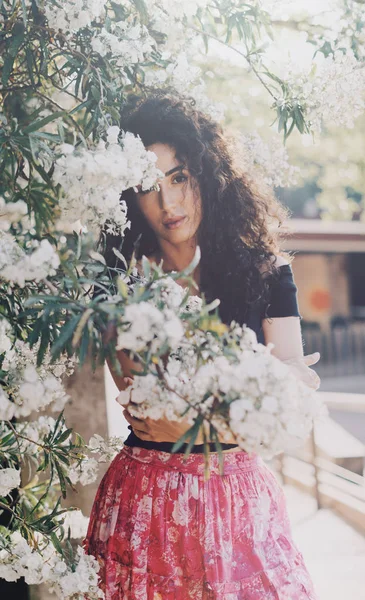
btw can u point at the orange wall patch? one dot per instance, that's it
(320, 299)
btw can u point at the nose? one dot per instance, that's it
(167, 199)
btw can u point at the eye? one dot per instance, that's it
(180, 178)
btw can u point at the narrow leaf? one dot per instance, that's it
(42, 122)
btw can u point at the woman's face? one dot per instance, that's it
(173, 212)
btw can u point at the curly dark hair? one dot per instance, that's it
(235, 236)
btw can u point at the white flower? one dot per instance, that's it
(112, 134)
(85, 473)
(18, 267)
(330, 90)
(44, 565)
(146, 324)
(9, 479)
(11, 212)
(5, 341)
(34, 388)
(270, 404)
(93, 180)
(77, 522)
(7, 408)
(71, 15)
(194, 304)
(125, 43)
(106, 449)
(269, 161)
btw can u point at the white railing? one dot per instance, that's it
(333, 486)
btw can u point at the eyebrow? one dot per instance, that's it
(171, 171)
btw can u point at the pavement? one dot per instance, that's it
(333, 551)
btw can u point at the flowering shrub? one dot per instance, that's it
(66, 70)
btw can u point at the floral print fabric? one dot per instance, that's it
(161, 531)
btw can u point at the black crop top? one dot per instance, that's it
(282, 303)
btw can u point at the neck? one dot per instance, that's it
(176, 257)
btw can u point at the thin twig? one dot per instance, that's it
(217, 39)
(50, 286)
(61, 108)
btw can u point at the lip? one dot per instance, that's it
(174, 222)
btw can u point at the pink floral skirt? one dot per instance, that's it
(160, 531)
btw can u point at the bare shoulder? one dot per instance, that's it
(277, 260)
(280, 261)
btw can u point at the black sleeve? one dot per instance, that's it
(283, 295)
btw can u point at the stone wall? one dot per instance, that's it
(86, 413)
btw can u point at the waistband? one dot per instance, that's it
(195, 463)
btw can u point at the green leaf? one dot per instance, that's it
(43, 346)
(194, 434)
(218, 447)
(42, 122)
(17, 39)
(143, 11)
(78, 82)
(30, 64)
(65, 335)
(44, 57)
(84, 345)
(299, 120)
(36, 332)
(282, 120)
(56, 542)
(95, 91)
(62, 479)
(61, 131)
(24, 10)
(62, 437)
(59, 422)
(7, 69)
(190, 432)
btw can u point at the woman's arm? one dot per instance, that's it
(127, 364)
(285, 334)
(282, 327)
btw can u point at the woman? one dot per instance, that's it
(158, 529)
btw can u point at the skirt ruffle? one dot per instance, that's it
(160, 531)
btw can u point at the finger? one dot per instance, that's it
(311, 359)
(312, 379)
(127, 381)
(143, 435)
(123, 398)
(134, 422)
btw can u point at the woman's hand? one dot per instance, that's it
(150, 430)
(300, 367)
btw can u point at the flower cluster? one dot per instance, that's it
(93, 180)
(31, 388)
(126, 44)
(235, 383)
(269, 162)
(184, 77)
(331, 90)
(9, 479)
(167, 16)
(77, 523)
(19, 267)
(144, 324)
(72, 15)
(5, 335)
(44, 565)
(106, 449)
(11, 212)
